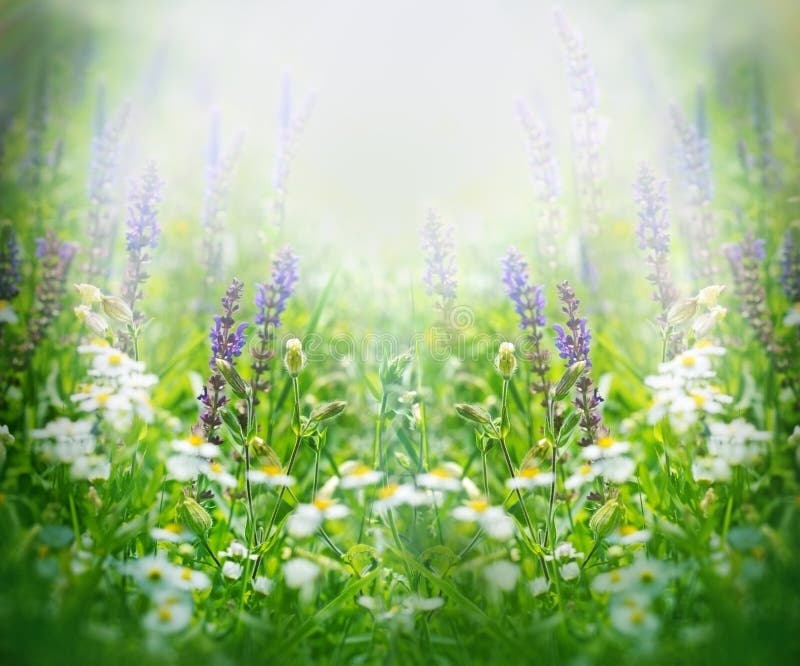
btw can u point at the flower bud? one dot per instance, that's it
(505, 361)
(705, 322)
(571, 375)
(606, 519)
(117, 309)
(473, 413)
(391, 370)
(294, 359)
(328, 411)
(194, 516)
(89, 293)
(682, 311)
(241, 389)
(95, 322)
(708, 296)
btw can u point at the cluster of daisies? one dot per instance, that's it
(118, 391)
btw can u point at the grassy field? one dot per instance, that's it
(261, 405)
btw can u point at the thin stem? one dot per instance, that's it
(591, 552)
(316, 475)
(292, 457)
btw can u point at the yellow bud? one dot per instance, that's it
(117, 309)
(607, 517)
(294, 359)
(682, 311)
(708, 296)
(194, 516)
(505, 361)
(89, 293)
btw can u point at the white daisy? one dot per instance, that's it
(307, 518)
(502, 575)
(447, 477)
(270, 475)
(300, 572)
(493, 520)
(529, 478)
(356, 475)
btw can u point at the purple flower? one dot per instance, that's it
(653, 234)
(440, 263)
(697, 171)
(745, 259)
(227, 342)
(547, 186)
(573, 346)
(586, 128)
(529, 303)
(790, 268)
(270, 301)
(55, 258)
(142, 235)
(574, 342)
(220, 167)
(143, 229)
(9, 264)
(271, 297)
(102, 175)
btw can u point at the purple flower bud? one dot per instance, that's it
(440, 263)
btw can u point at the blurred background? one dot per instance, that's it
(406, 105)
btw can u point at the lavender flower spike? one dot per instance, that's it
(55, 258)
(547, 186)
(529, 303)
(574, 345)
(586, 123)
(746, 259)
(697, 170)
(440, 264)
(790, 268)
(227, 342)
(270, 301)
(220, 167)
(142, 235)
(653, 235)
(102, 175)
(9, 273)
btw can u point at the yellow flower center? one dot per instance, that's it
(271, 470)
(388, 491)
(102, 398)
(585, 470)
(114, 359)
(478, 505)
(699, 399)
(441, 472)
(615, 577)
(323, 503)
(215, 467)
(361, 470)
(647, 576)
(173, 527)
(154, 574)
(688, 360)
(195, 440)
(702, 344)
(186, 574)
(605, 442)
(164, 614)
(637, 616)
(530, 472)
(627, 530)
(3, 304)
